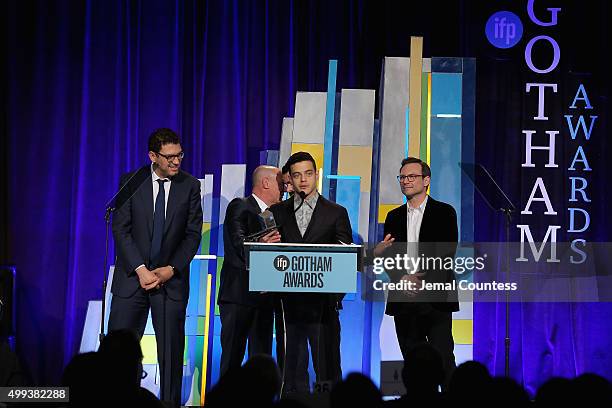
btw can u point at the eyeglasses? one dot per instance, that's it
(410, 177)
(172, 157)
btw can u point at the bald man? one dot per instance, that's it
(246, 315)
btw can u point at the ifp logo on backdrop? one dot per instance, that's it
(504, 29)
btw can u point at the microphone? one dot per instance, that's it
(303, 197)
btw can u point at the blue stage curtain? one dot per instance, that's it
(87, 81)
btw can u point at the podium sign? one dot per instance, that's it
(309, 268)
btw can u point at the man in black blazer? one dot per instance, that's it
(157, 229)
(427, 228)
(246, 315)
(308, 217)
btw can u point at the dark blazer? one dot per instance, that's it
(329, 225)
(437, 238)
(241, 219)
(133, 229)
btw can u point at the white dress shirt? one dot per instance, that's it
(414, 218)
(262, 205)
(167, 185)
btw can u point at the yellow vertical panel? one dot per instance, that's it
(205, 346)
(416, 69)
(463, 331)
(356, 161)
(383, 210)
(149, 349)
(315, 149)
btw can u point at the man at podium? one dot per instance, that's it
(246, 315)
(311, 318)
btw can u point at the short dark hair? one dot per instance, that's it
(162, 136)
(300, 157)
(425, 170)
(285, 168)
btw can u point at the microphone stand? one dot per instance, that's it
(107, 216)
(110, 207)
(497, 200)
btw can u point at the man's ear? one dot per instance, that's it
(426, 181)
(152, 156)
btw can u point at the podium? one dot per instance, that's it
(312, 268)
(310, 279)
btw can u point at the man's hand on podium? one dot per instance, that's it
(271, 237)
(148, 280)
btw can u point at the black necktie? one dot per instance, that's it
(159, 217)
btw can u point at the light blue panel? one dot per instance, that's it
(406, 136)
(328, 140)
(445, 93)
(232, 186)
(214, 360)
(191, 325)
(406, 146)
(445, 156)
(192, 374)
(339, 279)
(202, 306)
(149, 326)
(195, 276)
(468, 109)
(348, 195)
(351, 338)
(378, 311)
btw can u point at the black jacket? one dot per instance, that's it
(329, 225)
(437, 238)
(133, 228)
(241, 220)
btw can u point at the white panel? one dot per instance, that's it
(463, 353)
(151, 381)
(357, 117)
(286, 140)
(389, 347)
(232, 186)
(466, 311)
(364, 215)
(309, 121)
(206, 193)
(91, 329)
(393, 127)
